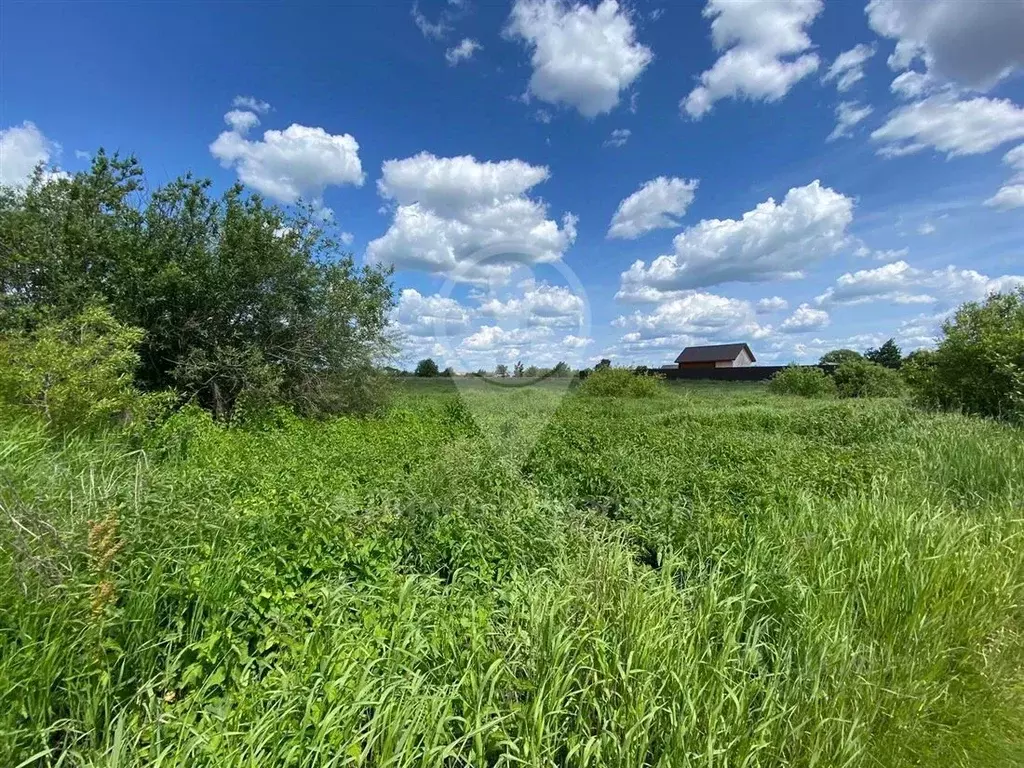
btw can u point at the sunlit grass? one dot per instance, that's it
(711, 577)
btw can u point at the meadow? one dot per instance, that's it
(714, 576)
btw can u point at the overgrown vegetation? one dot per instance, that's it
(802, 380)
(238, 302)
(606, 381)
(706, 578)
(979, 364)
(862, 378)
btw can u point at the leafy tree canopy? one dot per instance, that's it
(840, 356)
(427, 368)
(888, 355)
(234, 298)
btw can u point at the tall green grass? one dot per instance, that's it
(706, 577)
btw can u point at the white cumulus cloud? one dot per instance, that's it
(975, 44)
(900, 283)
(772, 241)
(22, 148)
(771, 304)
(848, 67)
(764, 51)
(462, 52)
(950, 125)
(656, 205)
(1011, 194)
(250, 104)
(298, 162)
(539, 304)
(467, 219)
(582, 56)
(695, 317)
(848, 115)
(804, 319)
(429, 316)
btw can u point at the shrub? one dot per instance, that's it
(978, 366)
(860, 378)
(620, 382)
(840, 356)
(76, 372)
(805, 381)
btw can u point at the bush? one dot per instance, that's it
(840, 356)
(805, 381)
(860, 378)
(77, 373)
(427, 368)
(620, 382)
(978, 366)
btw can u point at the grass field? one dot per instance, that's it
(712, 577)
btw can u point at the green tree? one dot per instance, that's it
(561, 370)
(840, 356)
(426, 368)
(888, 355)
(978, 365)
(517, 370)
(604, 363)
(501, 370)
(236, 298)
(76, 373)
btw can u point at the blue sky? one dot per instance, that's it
(561, 180)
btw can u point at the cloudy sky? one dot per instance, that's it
(557, 180)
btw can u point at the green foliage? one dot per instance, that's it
(603, 363)
(803, 380)
(888, 355)
(561, 370)
(501, 370)
(861, 378)
(978, 366)
(77, 373)
(620, 382)
(708, 578)
(840, 356)
(517, 369)
(236, 298)
(426, 368)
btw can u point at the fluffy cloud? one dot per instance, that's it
(466, 219)
(848, 114)
(298, 162)
(912, 85)
(946, 124)
(462, 52)
(975, 44)
(250, 104)
(241, 120)
(848, 68)
(773, 241)
(771, 304)
(805, 319)
(1011, 194)
(494, 337)
(764, 51)
(576, 342)
(539, 304)
(900, 283)
(22, 148)
(583, 57)
(429, 316)
(656, 205)
(690, 319)
(618, 138)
